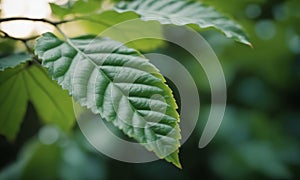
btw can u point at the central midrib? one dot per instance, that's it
(69, 42)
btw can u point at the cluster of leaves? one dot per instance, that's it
(102, 74)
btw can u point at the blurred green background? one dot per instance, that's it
(259, 136)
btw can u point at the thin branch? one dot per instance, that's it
(23, 40)
(54, 23)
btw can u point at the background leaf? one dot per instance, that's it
(30, 83)
(55, 160)
(134, 28)
(13, 96)
(13, 60)
(183, 13)
(6, 46)
(75, 7)
(53, 105)
(120, 85)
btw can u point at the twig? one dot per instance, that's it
(25, 40)
(54, 23)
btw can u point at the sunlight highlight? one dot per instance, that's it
(25, 8)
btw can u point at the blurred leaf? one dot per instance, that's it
(13, 60)
(266, 160)
(44, 162)
(250, 90)
(14, 171)
(30, 83)
(86, 6)
(63, 159)
(60, 11)
(7, 46)
(75, 7)
(52, 104)
(184, 13)
(13, 96)
(119, 84)
(252, 144)
(125, 28)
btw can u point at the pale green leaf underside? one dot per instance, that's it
(13, 60)
(120, 85)
(133, 31)
(75, 7)
(52, 104)
(29, 83)
(181, 12)
(13, 98)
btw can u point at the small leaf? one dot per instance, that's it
(180, 12)
(120, 85)
(13, 60)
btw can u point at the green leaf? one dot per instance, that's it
(133, 28)
(53, 105)
(44, 162)
(77, 7)
(35, 160)
(59, 11)
(180, 13)
(13, 98)
(30, 83)
(120, 85)
(13, 60)
(6, 46)
(86, 6)
(39, 159)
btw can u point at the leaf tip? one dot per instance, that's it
(174, 159)
(178, 165)
(248, 43)
(251, 45)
